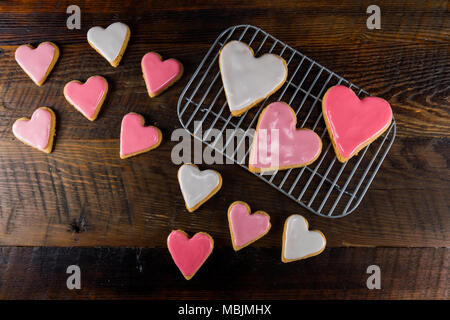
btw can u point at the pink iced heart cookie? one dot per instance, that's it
(38, 131)
(353, 123)
(246, 228)
(135, 138)
(87, 97)
(189, 254)
(278, 145)
(37, 62)
(158, 74)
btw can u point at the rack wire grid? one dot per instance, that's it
(326, 187)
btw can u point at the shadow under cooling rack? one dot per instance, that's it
(327, 187)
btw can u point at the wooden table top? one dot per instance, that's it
(82, 196)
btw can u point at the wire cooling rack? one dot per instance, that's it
(326, 187)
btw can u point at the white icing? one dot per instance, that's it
(196, 185)
(247, 79)
(108, 41)
(299, 242)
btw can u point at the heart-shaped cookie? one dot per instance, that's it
(246, 228)
(158, 74)
(110, 42)
(135, 138)
(87, 97)
(353, 123)
(248, 80)
(38, 131)
(299, 242)
(197, 186)
(37, 62)
(189, 254)
(278, 145)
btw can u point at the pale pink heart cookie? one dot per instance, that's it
(110, 42)
(248, 80)
(135, 138)
(158, 74)
(278, 145)
(37, 62)
(246, 228)
(38, 131)
(189, 254)
(87, 97)
(197, 186)
(353, 123)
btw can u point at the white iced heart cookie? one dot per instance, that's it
(110, 42)
(298, 242)
(248, 80)
(197, 186)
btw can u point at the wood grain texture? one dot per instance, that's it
(130, 273)
(83, 194)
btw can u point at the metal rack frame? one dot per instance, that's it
(326, 187)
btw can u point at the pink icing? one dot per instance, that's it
(295, 146)
(245, 226)
(87, 96)
(134, 136)
(159, 74)
(353, 121)
(36, 131)
(36, 61)
(189, 254)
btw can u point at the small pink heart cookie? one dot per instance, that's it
(189, 254)
(278, 145)
(246, 228)
(135, 138)
(353, 123)
(158, 74)
(87, 97)
(38, 131)
(37, 62)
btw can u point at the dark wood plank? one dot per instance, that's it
(129, 273)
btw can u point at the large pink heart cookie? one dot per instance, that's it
(353, 123)
(87, 97)
(37, 62)
(246, 228)
(158, 74)
(278, 145)
(189, 254)
(135, 138)
(38, 131)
